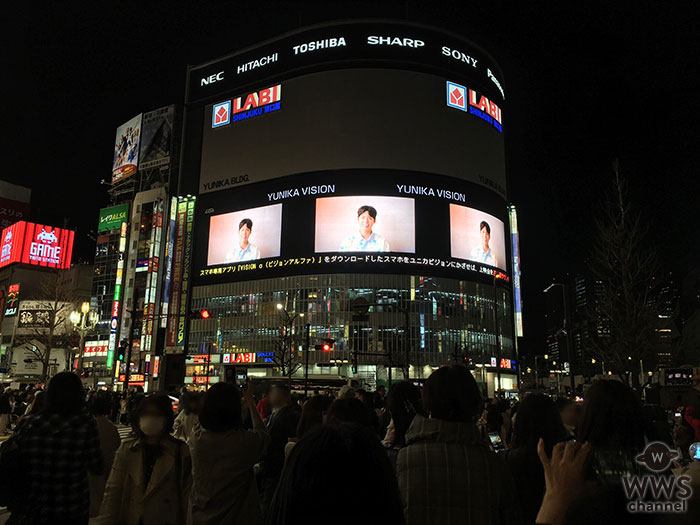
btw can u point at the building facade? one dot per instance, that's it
(341, 185)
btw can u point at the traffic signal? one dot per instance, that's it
(326, 346)
(121, 351)
(200, 314)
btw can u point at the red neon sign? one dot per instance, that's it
(30, 243)
(245, 357)
(133, 378)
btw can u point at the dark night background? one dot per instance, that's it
(583, 86)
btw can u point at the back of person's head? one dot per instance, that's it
(100, 404)
(306, 493)
(611, 418)
(38, 403)
(220, 409)
(404, 402)
(349, 410)
(312, 413)
(346, 391)
(562, 403)
(451, 394)
(367, 398)
(64, 395)
(192, 403)
(279, 395)
(537, 418)
(159, 405)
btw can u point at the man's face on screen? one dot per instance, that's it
(366, 223)
(243, 235)
(485, 238)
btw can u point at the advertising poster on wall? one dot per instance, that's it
(126, 149)
(156, 137)
(111, 218)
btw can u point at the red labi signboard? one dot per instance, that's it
(30, 243)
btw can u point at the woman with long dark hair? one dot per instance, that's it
(152, 472)
(403, 404)
(537, 419)
(307, 492)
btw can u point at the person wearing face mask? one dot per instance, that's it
(152, 472)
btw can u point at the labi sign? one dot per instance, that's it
(111, 218)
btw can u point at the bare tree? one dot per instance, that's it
(284, 354)
(626, 308)
(49, 325)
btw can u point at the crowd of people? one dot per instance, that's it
(439, 453)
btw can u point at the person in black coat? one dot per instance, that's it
(282, 425)
(537, 418)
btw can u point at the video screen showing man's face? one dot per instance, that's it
(477, 236)
(245, 235)
(365, 224)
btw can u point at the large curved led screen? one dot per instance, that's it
(376, 221)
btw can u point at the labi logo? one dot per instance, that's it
(657, 492)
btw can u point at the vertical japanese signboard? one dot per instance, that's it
(117, 295)
(186, 265)
(515, 240)
(172, 216)
(176, 280)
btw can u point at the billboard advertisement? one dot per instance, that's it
(111, 218)
(517, 292)
(245, 235)
(14, 203)
(477, 236)
(354, 119)
(12, 301)
(126, 150)
(369, 223)
(37, 244)
(352, 221)
(156, 137)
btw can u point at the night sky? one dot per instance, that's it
(583, 87)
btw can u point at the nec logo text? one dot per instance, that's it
(212, 78)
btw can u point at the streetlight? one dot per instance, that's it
(79, 320)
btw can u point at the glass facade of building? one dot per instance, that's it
(432, 321)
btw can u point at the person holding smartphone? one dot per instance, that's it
(223, 456)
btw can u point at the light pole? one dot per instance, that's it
(79, 320)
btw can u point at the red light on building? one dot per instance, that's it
(30, 243)
(204, 314)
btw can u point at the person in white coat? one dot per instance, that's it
(152, 472)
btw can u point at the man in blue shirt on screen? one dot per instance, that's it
(483, 253)
(243, 251)
(366, 240)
